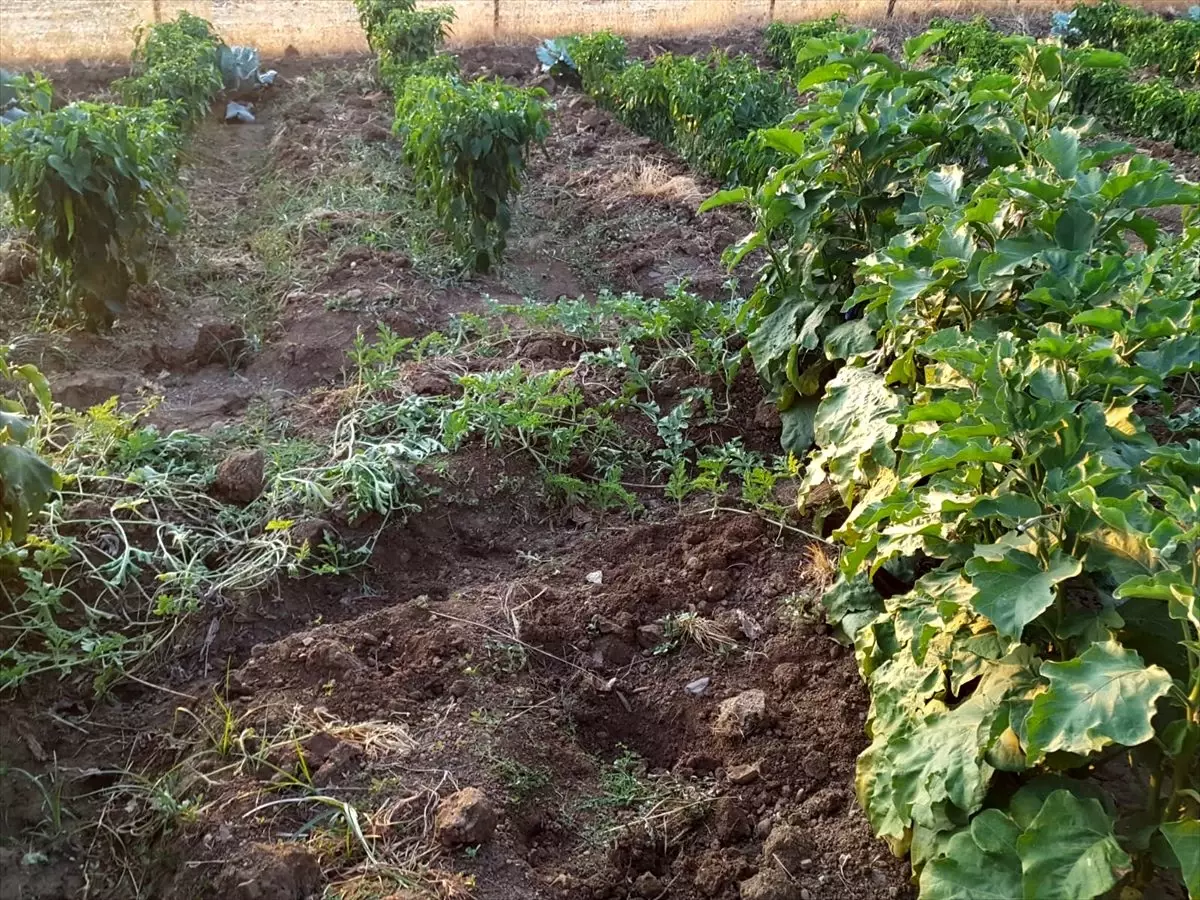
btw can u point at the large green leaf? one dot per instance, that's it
(854, 427)
(26, 483)
(942, 187)
(797, 433)
(979, 863)
(1106, 695)
(1013, 587)
(1184, 838)
(834, 71)
(1061, 150)
(725, 198)
(1069, 851)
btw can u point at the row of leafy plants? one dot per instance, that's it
(467, 142)
(1172, 46)
(964, 305)
(1155, 108)
(93, 183)
(708, 110)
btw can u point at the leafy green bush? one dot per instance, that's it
(177, 61)
(92, 182)
(407, 41)
(788, 42)
(404, 38)
(373, 13)
(597, 57)
(1155, 109)
(467, 144)
(958, 252)
(1172, 47)
(850, 182)
(706, 109)
(26, 481)
(1158, 108)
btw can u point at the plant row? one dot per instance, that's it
(1156, 108)
(964, 305)
(1170, 46)
(94, 182)
(467, 142)
(708, 110)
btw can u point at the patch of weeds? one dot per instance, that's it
(623, 784)
(367, 200)
(522, 781)
(568, 492)
(51, 787)
(506, 656)
(631, 799)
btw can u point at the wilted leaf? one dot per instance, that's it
(1106, 695)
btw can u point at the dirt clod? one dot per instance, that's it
(239, 478)
(17, 262)
(313, 532)
(647, 886)
(786, 847)
(747, 774)
(269, 872)
(222, 343)
(731, 822)
(769, 886)
(466, 817)
(741, 715)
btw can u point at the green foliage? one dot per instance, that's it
(707, 109)
(93, 182)
(176, 61)
(467, 144)
(598, 57)
(846, 184)
(985, 287)
(372, 14)
(26, 481)
(1156, 108)
(406, 40)
(408, 44)
(1170, 46)
(798, 48)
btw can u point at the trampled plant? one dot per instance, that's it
(92, 183)
(467, 143)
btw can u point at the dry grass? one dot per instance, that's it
(704, 633)
(821, 566)
(641, 177)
